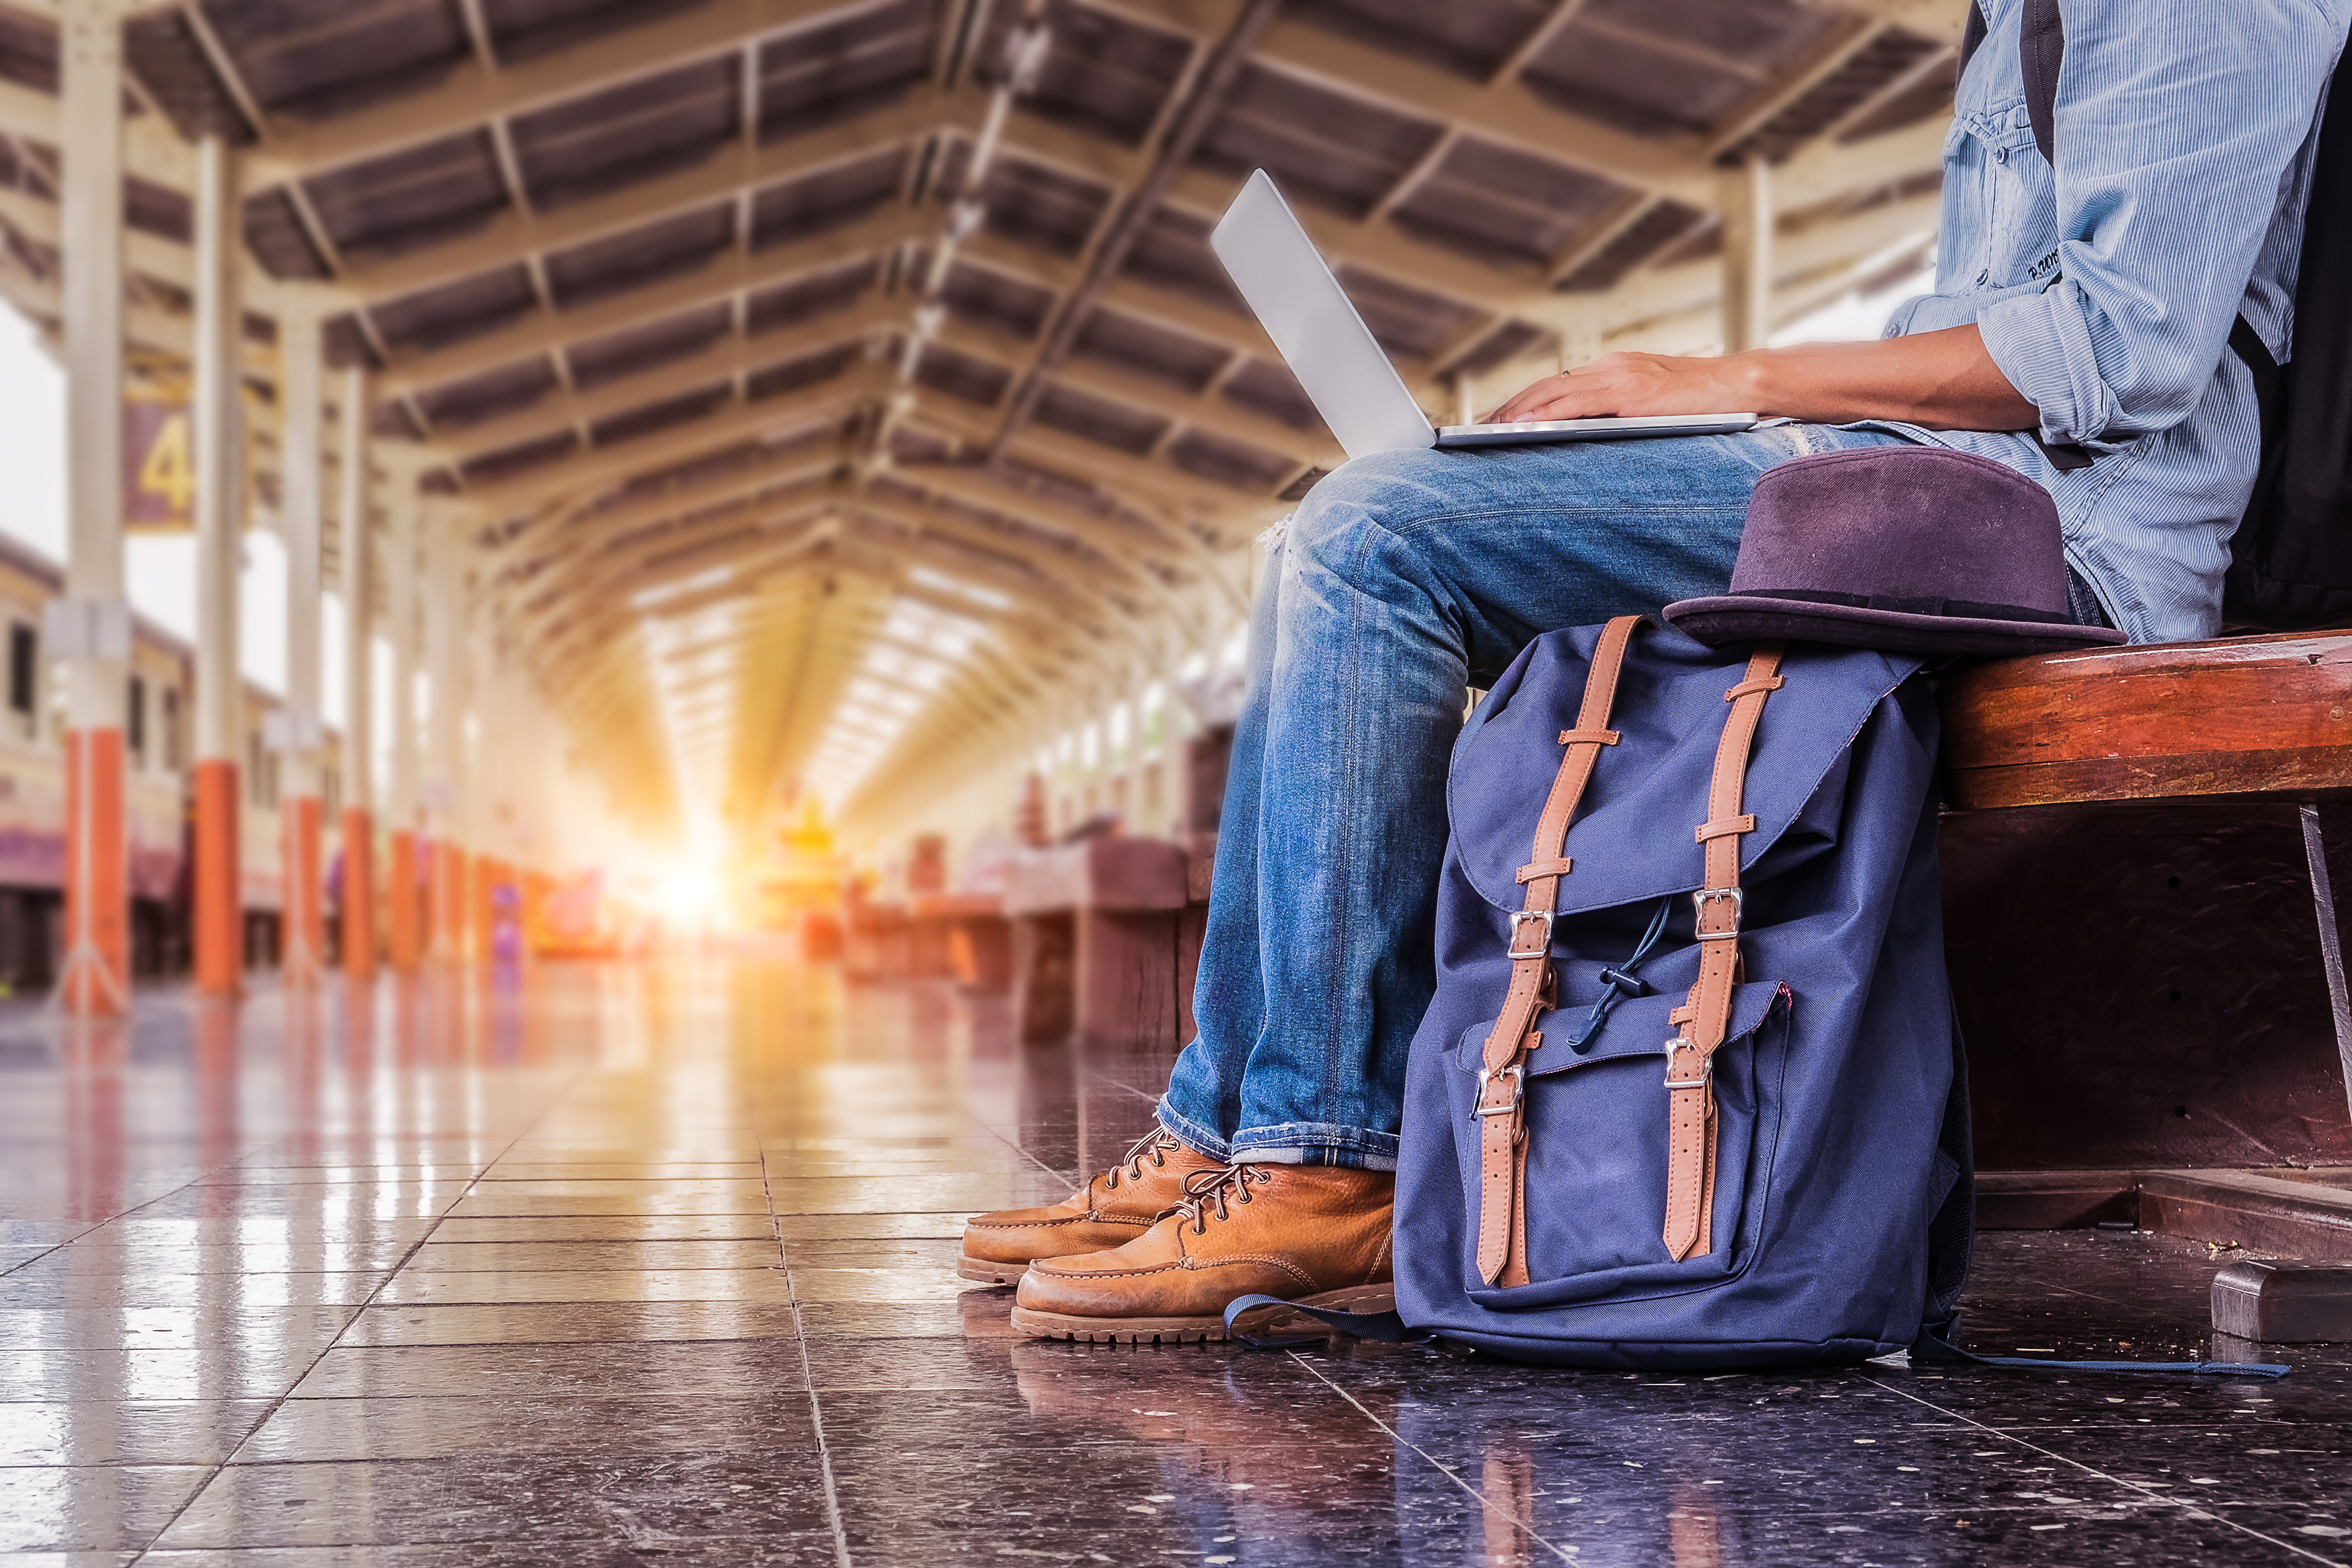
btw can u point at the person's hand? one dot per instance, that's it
(1632, 385)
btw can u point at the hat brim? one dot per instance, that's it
(1738, 618)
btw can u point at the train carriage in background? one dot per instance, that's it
(158, 732)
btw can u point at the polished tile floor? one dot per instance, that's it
(651, 1264)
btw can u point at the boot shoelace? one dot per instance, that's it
(1204, 1189)
(1153, 1147)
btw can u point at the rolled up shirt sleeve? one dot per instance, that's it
(2177, 121)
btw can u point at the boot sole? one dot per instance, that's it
(989, 1273)
(1191, 1331)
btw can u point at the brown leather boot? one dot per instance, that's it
(1114, 1207)
(1312, 1234)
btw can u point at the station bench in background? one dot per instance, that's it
(964, 937)
(1095, 933)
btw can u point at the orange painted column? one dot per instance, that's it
(436, 876)
(359, 894)
(96, 979)
(487, 873)
(448, 940)
(92, 623)
(533, 914)
(477, 907)
(459, 913)
(218, 450)
(220, 909)
(469, 867)
(402, 936)
(304, 896)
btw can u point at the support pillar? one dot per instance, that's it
(220, 548)
(451, 873)
(301, 485)
(359, 689)
(90, 628)
(489, 815)
(1745, 194)
(444, 803)
(404, 933)
(488, 872)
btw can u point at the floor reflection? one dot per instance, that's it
(635, 1261)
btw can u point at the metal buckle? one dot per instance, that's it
(1705, 896)
(1705, 1070)
(1517, 1073)
(1518, 924)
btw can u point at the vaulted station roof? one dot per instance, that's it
(841, 393)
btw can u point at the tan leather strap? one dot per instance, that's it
(1502, 1225)
(1690, 1055)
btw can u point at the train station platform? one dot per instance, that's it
(652, 1263)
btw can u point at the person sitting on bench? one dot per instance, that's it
(2078, 334)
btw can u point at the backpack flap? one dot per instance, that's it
(1632, 837)
(1594, 1129)
(1639, 1027)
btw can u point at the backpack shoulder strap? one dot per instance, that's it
(2041, 46)
(1502, 1077)
(1704, 1018)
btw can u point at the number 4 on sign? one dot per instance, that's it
(168, 472)
(159, 463)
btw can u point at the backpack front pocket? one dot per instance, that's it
(1596, 1146)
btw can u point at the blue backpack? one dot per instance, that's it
(1690, 1096)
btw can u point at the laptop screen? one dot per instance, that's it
(1346, 372)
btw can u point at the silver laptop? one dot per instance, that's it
(1353, 384)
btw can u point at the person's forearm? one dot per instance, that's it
(1944, 381)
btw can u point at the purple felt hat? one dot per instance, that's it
(1912, 549)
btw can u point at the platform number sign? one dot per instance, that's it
(159, 495)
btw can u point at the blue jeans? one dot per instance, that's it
(1402, 578)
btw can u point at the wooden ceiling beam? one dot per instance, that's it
(594, 584)
(594, 610)
(509, 237)
(1151, 396)
(1700, 283)
(593, 470)
(563, 408)
(738, 272)
(471, 95)
(989, 487)
(1504, 112)
(590, 581)
(1115, 547)
(1824, 171)
(1080, 579)
(1939, 19)
(561, 532)
(1146, 482)
(1849, 37)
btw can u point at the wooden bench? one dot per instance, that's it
(964, 937)
(876, 942)
(1098, 929)
(1095, 941)
(2173, 1046)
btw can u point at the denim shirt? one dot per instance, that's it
(2185, 135)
